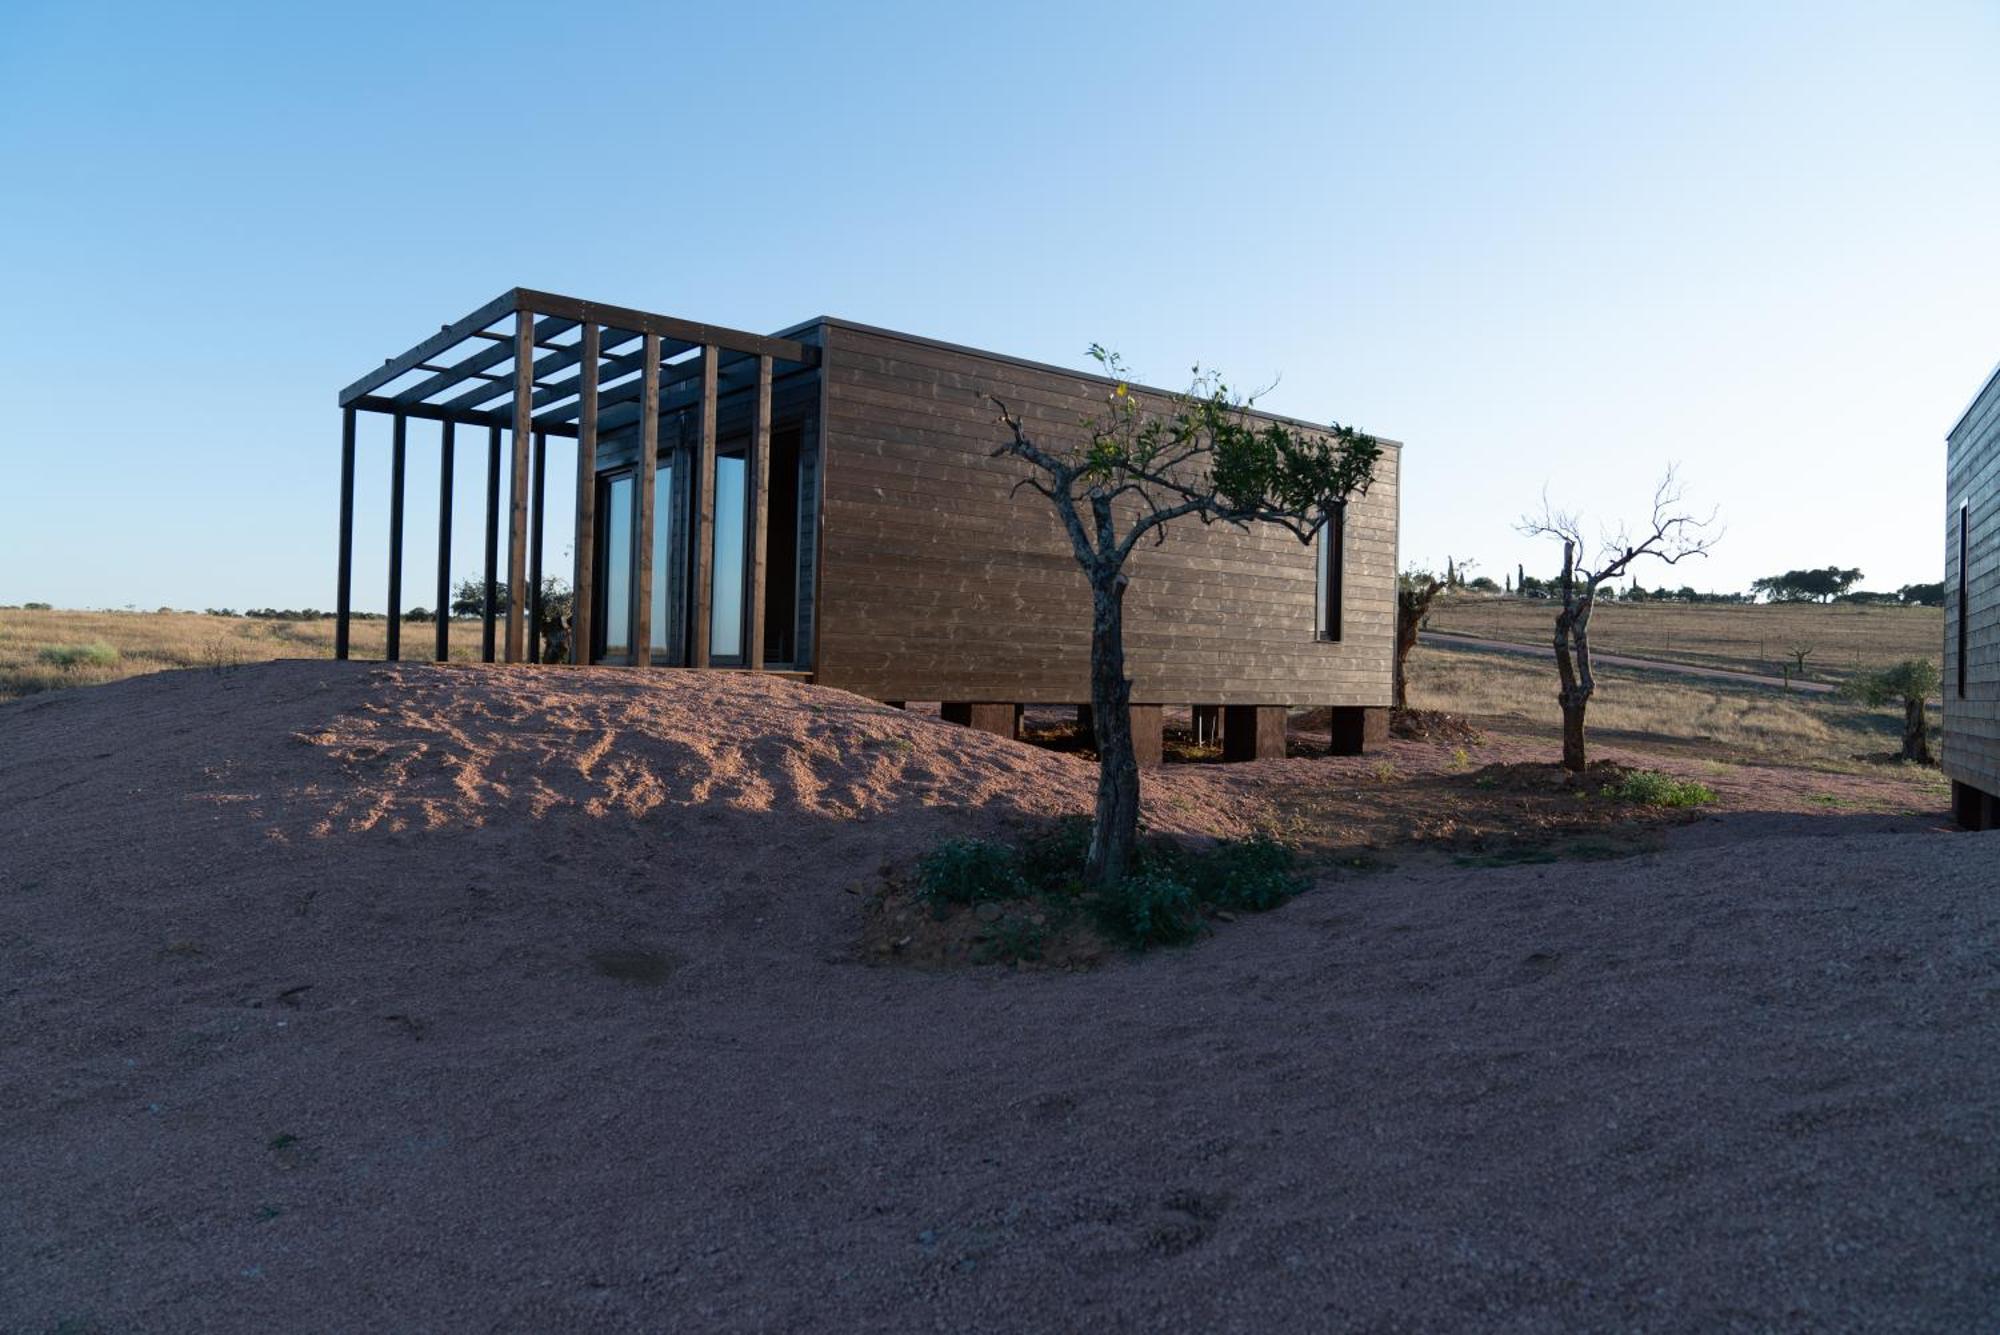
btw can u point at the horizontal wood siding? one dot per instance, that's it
(937, 582)
(1971, 750)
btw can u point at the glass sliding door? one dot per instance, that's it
(730, 556)
(666, 607)
(615, 497)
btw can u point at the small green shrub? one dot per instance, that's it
(1251, 874)
(1053, 861)
(967, 871)
(1654, 789)
(1151, 907)
(78, 655)
(1015, 939)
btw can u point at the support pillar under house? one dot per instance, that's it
(1253, 732)
(1355, 728)
(997, 718)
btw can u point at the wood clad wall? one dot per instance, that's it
(937, 583)
(1971, 750)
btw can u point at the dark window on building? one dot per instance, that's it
(1332, 574)
(1964, 523)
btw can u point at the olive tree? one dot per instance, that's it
(1671, 536)
(1140, 464)
(1911, 683)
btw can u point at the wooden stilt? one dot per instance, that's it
(490, 611)
(445, 446)
(398, 451)
(582, 608)
(704, 512)
(539, 497)
(760, 506)
(649, 463)
(343, 595)
(517, 509)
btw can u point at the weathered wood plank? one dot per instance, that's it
(649, 456)
(704, 513)
(760, 503)
(582, 608)
(446, 448)
(517, 508)
(398, 456)
(489, 612)
(538, 498)
(343, 595)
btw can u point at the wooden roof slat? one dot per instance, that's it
(668, 327)
(560, 359)
(477, 363)
(492, 312)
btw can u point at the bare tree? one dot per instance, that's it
(1199, 455)
(1671, 536)
(1416, 589)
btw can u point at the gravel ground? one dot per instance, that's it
(364, 998)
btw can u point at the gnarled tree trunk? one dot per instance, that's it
(1916, 731)
(1413, 603)
(1115, 829)
(1573, 662)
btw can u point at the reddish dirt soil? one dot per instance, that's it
(351, 996)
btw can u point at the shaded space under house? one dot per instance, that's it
(825, 502)
(1970, 754)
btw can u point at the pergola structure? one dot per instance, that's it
(532, 365)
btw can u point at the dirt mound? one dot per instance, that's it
(1435, 726)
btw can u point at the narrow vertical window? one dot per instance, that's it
(1964, 523)
(1332, 574)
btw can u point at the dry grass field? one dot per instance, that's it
(1844, 637)
(47, 650)
(1661, 712)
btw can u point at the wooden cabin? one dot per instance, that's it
(825, 502)
(1971, 751)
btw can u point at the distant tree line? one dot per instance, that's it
(1829, 584)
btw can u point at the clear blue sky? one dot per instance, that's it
(1548, 243)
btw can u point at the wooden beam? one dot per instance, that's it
(540, 499)
(488, 612)
(666, 326)
(582, 631)
(343, 580)
(704, 513)
(546, 391)
(741, 375)
(517, 507)
(398, 451)
(432, 412)
(649, 463)
(477, 365)
(760, 498)
(673, 376)
(445, 450)
(492, 312)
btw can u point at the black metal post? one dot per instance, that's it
(344, 578)
(445, 447)
(397, 451)
(486, 636)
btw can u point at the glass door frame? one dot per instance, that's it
(600, 581)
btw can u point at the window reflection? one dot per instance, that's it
(725, 631)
